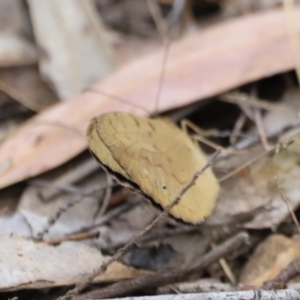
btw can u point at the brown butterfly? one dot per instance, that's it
(155, 158)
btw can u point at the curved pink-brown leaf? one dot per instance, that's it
(199, 66)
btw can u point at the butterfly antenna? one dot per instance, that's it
(167, 46)
(117, 98)
(164, 30)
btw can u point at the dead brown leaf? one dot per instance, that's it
(254, 188)
(269, 258)
(24, 84)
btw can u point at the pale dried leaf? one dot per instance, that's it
(274, 121)
(14, 224)
(254, 188)
(74, 53)
(35, 265)
(16, 51)
(37, 211)
(13, 17)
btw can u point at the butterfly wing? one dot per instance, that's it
(99, 149)
(161, 160)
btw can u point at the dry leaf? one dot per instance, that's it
(24, 85)
(15, 50)
(15, 224)
(35, 265)
(37, 211)
(254, 188)
(74, 52)
(270, 258)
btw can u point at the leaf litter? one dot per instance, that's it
(260, 197)
(132, 83)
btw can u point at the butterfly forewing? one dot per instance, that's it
(100, 150)
(159, 158)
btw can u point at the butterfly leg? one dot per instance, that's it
(201, 134)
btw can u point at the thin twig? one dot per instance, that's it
(106, 198)
(169, 276)
(99, 28)
(164, 233)
(161, 233)
(176, 12)
(75, 237)
(260, 128)
(236, 132)
(61, 125)
(110, 215)
(291, 271)
(227, 270)
(290, 9)
(69, 188)
(66, 207)
(244, 99)
(158, 19)
(117, 98)
(247, 110)
(57, 215)
(80, 286)
(248, 163)
(285, 198)
(67, 180)
(252, 140)
(62, 187)
(162, 75)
